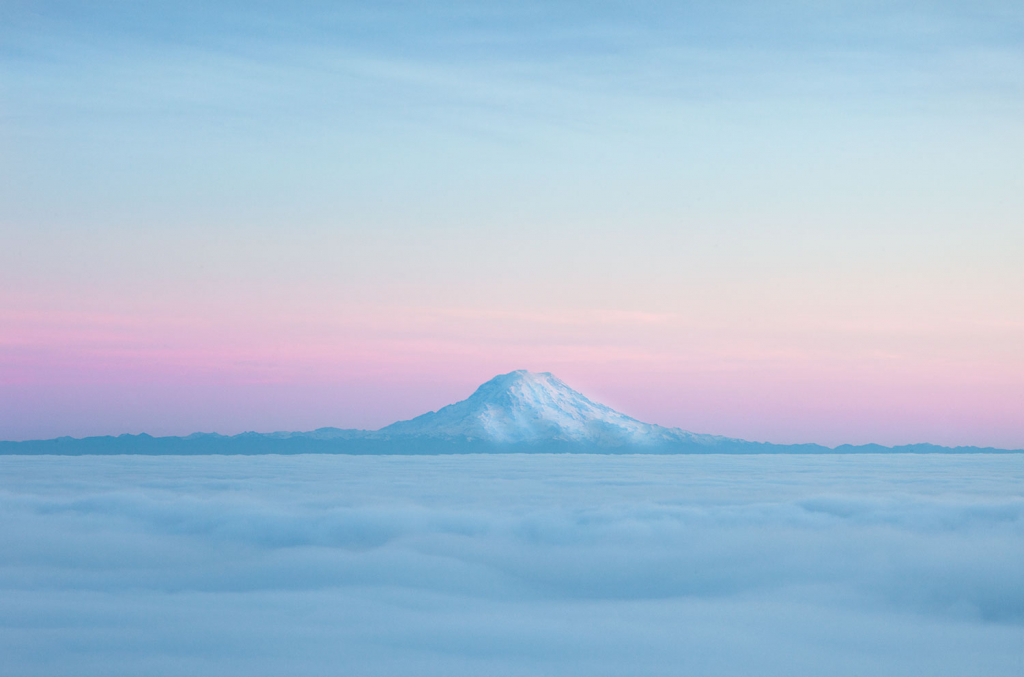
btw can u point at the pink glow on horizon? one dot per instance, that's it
(80, 373)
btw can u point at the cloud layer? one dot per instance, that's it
(512, 565)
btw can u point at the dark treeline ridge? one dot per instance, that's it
(356, 442)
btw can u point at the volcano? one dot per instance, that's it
(524, 408)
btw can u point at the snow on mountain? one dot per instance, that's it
(524, 407)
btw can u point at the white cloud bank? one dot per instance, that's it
(512, 565)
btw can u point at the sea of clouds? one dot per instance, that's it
(512, 565)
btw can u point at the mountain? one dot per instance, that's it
(515, 412)
(526, 408)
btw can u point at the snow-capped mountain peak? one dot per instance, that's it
(527, 407)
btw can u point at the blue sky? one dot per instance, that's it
(148, 102)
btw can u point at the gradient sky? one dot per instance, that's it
(793, 222)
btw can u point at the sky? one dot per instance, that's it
(513, 565)
(781, 221)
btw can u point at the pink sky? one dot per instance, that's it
(827, 380)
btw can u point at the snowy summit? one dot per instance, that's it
(525, 407)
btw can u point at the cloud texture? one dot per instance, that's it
(512, 565)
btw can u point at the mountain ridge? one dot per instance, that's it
(517, 412)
